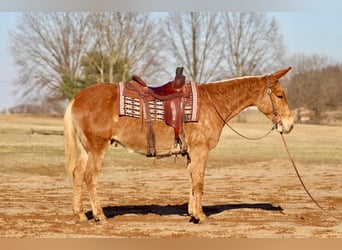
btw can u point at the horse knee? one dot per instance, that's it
(197, 186)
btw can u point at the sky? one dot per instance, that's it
(7, 66)
(310, 32)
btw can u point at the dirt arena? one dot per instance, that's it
(245, 197)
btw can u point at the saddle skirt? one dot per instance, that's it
(130, 103)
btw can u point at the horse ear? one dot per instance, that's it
(280, 73)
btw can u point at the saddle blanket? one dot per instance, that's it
(133, 107)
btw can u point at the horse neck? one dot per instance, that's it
(230, 97)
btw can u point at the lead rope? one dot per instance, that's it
(275, 113)
(250, 138)
(301, 181)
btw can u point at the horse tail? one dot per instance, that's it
(70, 141)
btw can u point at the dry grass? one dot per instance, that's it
(307, 143)
(24, 152)
(27, 153)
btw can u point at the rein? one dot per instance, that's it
(275, 125)
(301, 181)
(234, 130)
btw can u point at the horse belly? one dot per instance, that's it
(131, 132)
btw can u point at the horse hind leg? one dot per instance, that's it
(78, 177)
(92, 173)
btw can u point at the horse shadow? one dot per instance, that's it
(181, 210)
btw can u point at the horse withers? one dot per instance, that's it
(91, 121)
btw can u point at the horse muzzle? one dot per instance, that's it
(284, 125)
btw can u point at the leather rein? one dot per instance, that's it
(276, 122)
(275, 115)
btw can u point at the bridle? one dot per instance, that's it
(276, 116)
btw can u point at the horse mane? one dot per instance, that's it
(226, 85)
(231, 80)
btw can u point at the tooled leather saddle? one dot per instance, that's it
(173, 96)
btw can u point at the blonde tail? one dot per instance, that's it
(70, 142)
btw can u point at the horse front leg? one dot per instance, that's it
(196, 169)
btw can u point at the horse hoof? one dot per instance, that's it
(81, 218)
(100, 220)
(194, 220)
(198, 219)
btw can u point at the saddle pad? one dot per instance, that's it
(132, 106)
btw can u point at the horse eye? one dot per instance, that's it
(280, 96)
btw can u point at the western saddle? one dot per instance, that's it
(173, 94)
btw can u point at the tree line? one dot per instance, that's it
(58, 54)
(315, 87)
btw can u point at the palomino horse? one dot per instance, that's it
(92, 119)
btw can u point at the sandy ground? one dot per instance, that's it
(262, 199)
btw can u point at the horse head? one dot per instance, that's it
(273, 103)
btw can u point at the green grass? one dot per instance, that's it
(22, 152)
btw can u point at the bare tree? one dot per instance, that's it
(47, 46)
(254, 44)
(195, 42)
(314, 85)
(52, 47)
(303, 87)
(129, 38)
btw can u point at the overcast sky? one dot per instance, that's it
(309, 32)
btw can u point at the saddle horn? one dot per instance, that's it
(179, 78)
(179, 71)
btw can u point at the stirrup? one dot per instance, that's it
(180, 146)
